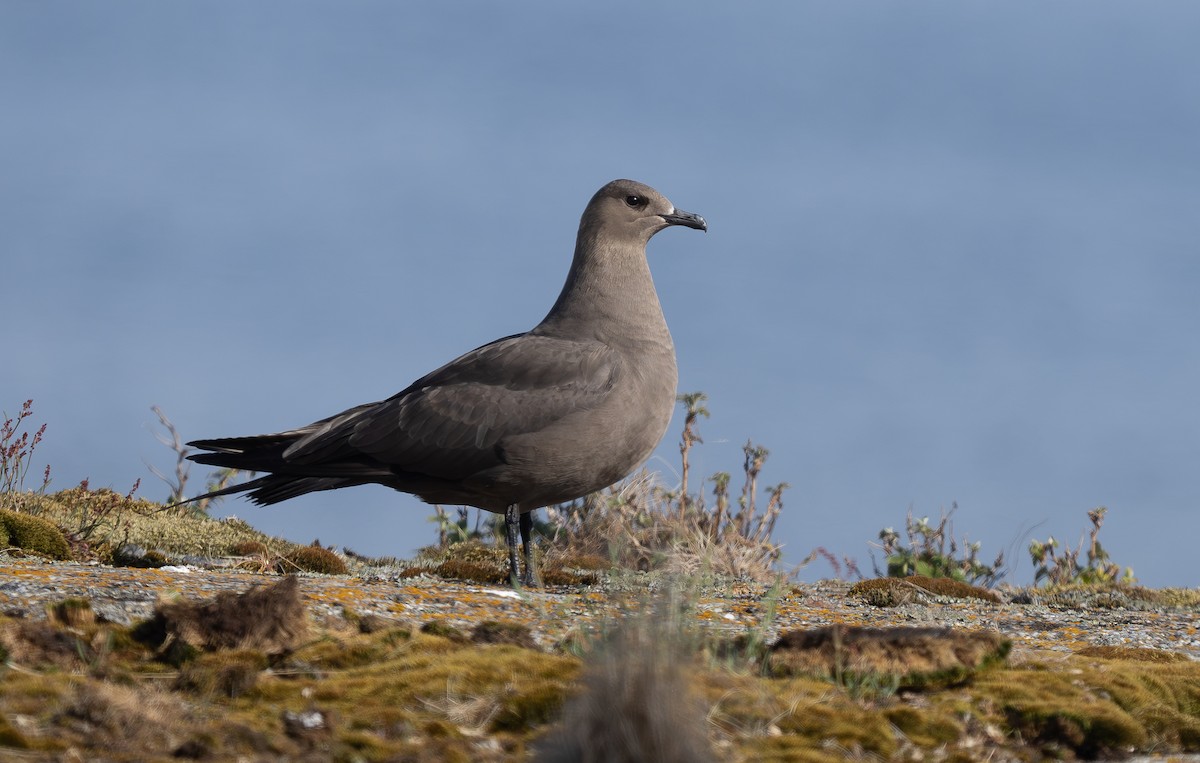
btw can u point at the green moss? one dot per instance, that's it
(957, 675)
(313, 559)
(438, 728)
(1132, 654)
(444, 630)
(34, 534)
(924, 727)
(143, 523)
(534, 706)
(228, 674)
(847, 725)
(1093, 709)
(788, 749)
(10, 737)
(475, 572)
(366, 745)
(474, 551)
(1088, 729)
(1163, 697)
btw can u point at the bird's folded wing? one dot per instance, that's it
(447, 423)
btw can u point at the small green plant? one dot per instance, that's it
(1062, 567)
(866, 686)
(16, 454)
(933, 552)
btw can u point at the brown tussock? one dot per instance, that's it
(891, 592)
(496, 632)
(914, 655)
(125, 717)
(269, 619)
(1132, 654)
(39, 644)
(72, 613)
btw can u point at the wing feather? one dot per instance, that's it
(447, 423)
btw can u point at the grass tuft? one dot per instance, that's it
(270, 619)
(33, 535)
(496, 632)
(312, 559)
(892, 592)
(228, 673)
(905, 658)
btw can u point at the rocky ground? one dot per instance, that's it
(386, 664)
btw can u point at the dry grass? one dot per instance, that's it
(268, 619)
(132, 717)
(118, 519)
(636, 525)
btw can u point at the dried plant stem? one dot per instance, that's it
(16, 452)
(173, 441)
(694, 403)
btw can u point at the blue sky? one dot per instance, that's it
(952, 257)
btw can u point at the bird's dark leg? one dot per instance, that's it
(512, 518)
(526, 532)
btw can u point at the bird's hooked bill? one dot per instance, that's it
(679, 217)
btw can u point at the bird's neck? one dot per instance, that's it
(609, 291)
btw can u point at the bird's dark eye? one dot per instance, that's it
(635, 201)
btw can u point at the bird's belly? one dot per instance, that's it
(582, 453)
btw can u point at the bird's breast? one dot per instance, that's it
(592, 449)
